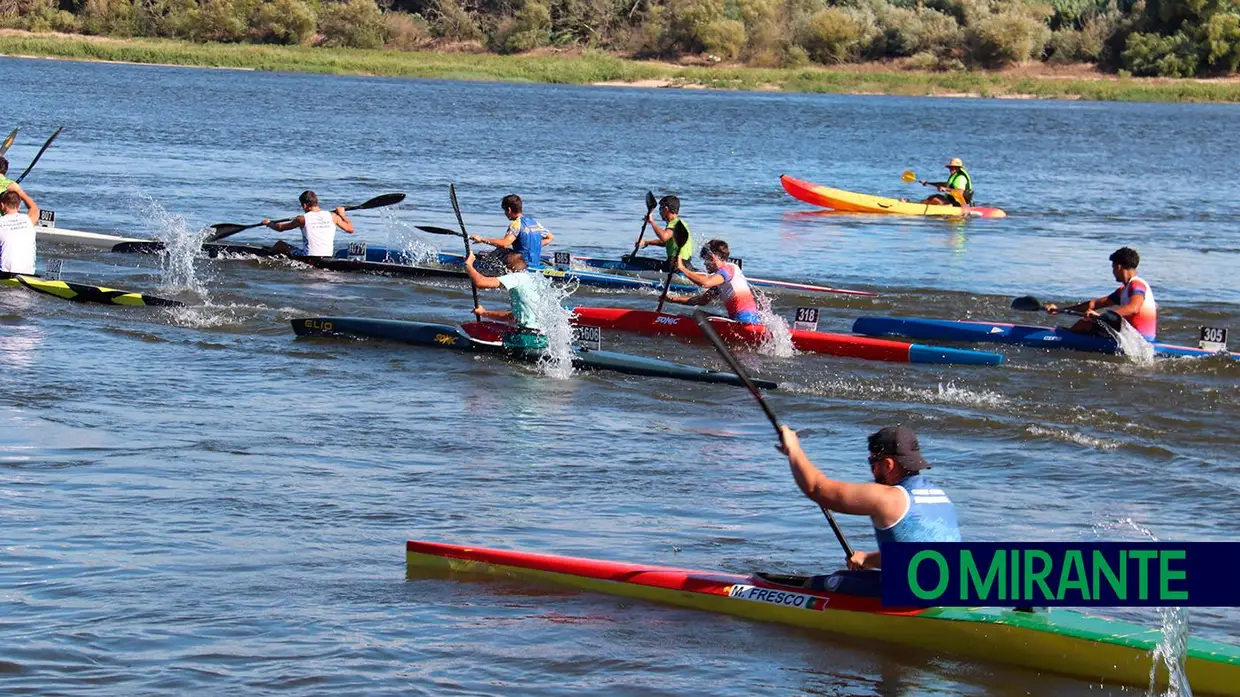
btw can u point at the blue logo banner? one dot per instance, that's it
(1046, 574)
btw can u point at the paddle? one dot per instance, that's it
(1029, 303)
(667, 283)
(437, 230)
(651, 204)
(39, 154)
(456, 208)
(908, 177)
(222, 230)
(8, 142)
(703, 322)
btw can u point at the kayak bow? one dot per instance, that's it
(848, 201)
(683, 326)
(80, 292)
(1059, 641)
(486, 337)
(1002, 333)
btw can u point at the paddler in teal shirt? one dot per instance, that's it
(675, 237)
(957, 190)
(523, 293)
(903, 505)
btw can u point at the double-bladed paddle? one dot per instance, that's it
(908, 177)
(39, 154)
(435, 230)
(651, 204)
(456, 208)
(703, 322)
(222, 230)
(1029, 303)
(8, 142)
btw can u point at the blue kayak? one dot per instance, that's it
(1002, 333)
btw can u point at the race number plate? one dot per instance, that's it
(740, 263)
(1213, 339)
(563, 260)
(807, 319)
(357, 251)
(52, 269)
(590, 337)
(47, 218)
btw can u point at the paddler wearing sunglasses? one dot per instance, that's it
(723, 280)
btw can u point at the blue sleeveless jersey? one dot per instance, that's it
(931, 516)
(529, 240)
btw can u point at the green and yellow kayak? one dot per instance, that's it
(80, 292)
(850, 202)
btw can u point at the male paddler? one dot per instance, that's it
(525, 235)
(523, 293)
(1133, 300)
(903, 505)
(318, 228)
(17, 231)
(724, 280)
(675, 237)
(958, 184)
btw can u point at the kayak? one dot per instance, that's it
(840, 200)
(97, 240)
(683, 326)
(1058, 641)
(486, 337)
(80, 292)
(1002, 333)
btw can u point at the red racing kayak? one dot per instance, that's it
(683, 326)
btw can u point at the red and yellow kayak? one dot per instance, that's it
(847, 201)
(1058, 641)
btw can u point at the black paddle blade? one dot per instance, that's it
(1027, 303)
(378, 202)
(39, 154)
(434, 230)
(703, 323)
(651, 203)
(221, 230)
(8, 142)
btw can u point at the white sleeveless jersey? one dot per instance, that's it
(318, 235)
(16, 243)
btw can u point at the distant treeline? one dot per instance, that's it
(1171, 38)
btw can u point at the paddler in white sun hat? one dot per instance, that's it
(957, 190)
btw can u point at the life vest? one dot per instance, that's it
(675, 249)
(953, 182)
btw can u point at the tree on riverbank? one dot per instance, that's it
(1174, 38)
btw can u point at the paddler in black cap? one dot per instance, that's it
(902, 503)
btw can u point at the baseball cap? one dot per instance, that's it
(899, 443)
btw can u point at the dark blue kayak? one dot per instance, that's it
(485, 337)
(1002, 333)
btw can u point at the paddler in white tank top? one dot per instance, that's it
(17, 234)
(318, 228)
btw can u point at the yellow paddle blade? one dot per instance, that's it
(908, 177)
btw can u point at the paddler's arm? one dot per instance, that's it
(700, 299)
(501, 315)
(281, 227)
(660, 233)
(1086, 307)
(476, 276)
(510, 237)
(699, 279)
(32, 209)
(341, 220)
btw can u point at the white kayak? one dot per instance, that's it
(98, 240)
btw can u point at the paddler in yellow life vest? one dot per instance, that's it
(675, 237)
(7, 184)
(903, 505)
(958, 184)
(525, 235)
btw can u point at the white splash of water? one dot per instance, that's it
(1131, 344)
(405, 242)
(556, 322)
(182, 245)
(778, 339)
(1172, 648)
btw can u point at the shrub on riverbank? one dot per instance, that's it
(1177, 38)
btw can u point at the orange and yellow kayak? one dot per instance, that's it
(850, 202)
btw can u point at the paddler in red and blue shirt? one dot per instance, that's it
(525, 235)
(1133, 300)
(903, 505)
(724, 280)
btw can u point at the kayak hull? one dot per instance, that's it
(851, 202)
(683, 326)
(486, 337)
(1059, 641)
(95, 240)
(82, 293)
(1003, 333)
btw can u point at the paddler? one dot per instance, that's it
(1133, 300)
(957, 189)
(674, 237)
(723, 279)
(7, 184)
(525, 235)
(318, 228)
(903, 505)
(523, 293)
(17, 233)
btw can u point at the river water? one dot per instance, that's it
(193, 500)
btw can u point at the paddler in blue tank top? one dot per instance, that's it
(525, 235)
(903, 505)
